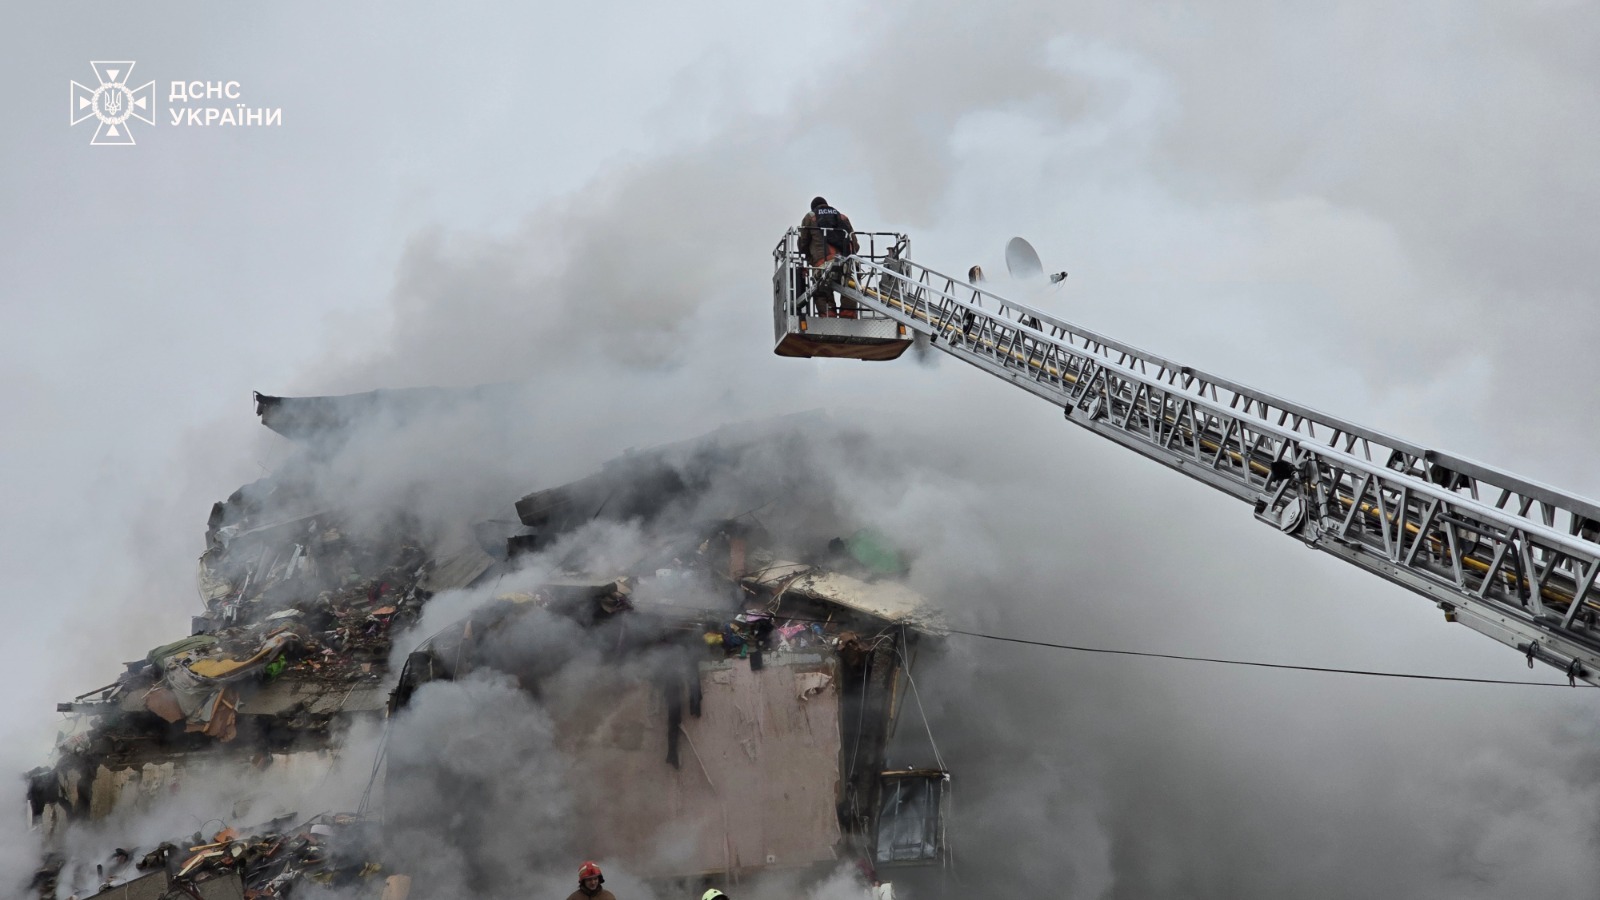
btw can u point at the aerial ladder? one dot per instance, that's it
(1505, 556)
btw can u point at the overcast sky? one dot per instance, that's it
(1382, 212)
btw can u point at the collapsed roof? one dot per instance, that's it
(316, 419)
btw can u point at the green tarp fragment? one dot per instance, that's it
(184, 645)
(872, 549)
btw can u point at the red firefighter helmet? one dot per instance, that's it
(589, 870)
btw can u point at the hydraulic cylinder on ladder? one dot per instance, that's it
(1511, 558)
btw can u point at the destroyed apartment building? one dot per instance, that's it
(748, 671)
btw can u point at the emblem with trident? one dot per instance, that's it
(113, 102)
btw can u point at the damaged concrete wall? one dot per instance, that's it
(134, 789)
(757, 779)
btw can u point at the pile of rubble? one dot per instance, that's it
(333, 850)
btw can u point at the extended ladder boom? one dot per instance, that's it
(1508, 557)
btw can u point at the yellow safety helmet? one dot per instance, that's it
(713, 894)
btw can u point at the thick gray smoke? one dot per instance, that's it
(480, 764)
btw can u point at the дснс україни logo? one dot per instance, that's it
(114, 103)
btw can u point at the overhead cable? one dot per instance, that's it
(1260, 665)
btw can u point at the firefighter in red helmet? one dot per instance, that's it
(589, 884)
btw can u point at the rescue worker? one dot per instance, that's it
(589, 884)
(826, 234)
(974, 276)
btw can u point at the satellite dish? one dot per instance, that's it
(1022, 261)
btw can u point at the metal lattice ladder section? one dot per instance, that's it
(1511, 558)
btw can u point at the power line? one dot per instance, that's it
(1211, 659)
(1255, 664)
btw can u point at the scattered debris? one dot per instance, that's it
(333, 850)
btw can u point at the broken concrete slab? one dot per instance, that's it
(890, 601)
